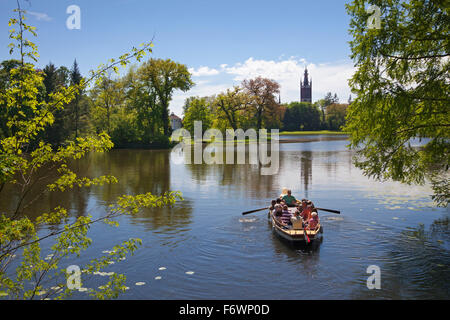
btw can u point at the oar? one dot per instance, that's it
(329, 210)
(256, 210)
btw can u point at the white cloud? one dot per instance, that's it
(203, 71)
(40, 16)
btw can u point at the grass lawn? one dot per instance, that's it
(285, 133)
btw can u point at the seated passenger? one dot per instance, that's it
(278, 210)
(290, 199)
(296, 220)
(306, 211)
(285, 216)
(314, 221)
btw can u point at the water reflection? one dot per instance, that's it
(231, 255)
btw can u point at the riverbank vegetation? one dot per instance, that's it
(35, 161)
(254, 104)
(402, 88)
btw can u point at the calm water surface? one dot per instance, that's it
(230, 256)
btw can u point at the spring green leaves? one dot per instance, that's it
(402, 87)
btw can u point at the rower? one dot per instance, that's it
(290, 199)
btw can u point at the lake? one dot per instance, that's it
(203, 248)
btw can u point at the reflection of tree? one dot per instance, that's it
(170, 220)
(138, 171)
(306, 170)
(417, 265)
(241, 178)
(35, 202)
(141, 171)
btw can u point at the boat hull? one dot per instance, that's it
(295, 235)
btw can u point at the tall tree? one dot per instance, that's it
(402, 92)
(231, 104)
(107, 95)
(264, 93)
(75, 79)
(199, 110)
(166, 76)
(54, 79)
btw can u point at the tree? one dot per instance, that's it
(53, 80)
(230, 106)
(165, 76)
(263, 93)
(106, 96)
(301, 116)
(21, 168)
(198, 110)
(329, 99)
(5, 78)
(335, 117)
(75, 79)
(401, 86)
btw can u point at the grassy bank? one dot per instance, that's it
(299, 133)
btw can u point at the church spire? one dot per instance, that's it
(306, 88)
(305, 79)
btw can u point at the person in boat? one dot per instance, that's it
(306, 211)
(278, 210)
(272, 205)
(284, 192)
(290, 199)
(285, 216)
(314, 221)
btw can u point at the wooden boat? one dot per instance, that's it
(295, 233)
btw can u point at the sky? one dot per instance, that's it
(221, 42)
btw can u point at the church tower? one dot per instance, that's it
(306, 88)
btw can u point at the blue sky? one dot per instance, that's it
(222, 42)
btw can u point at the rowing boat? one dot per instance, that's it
(294, 233)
